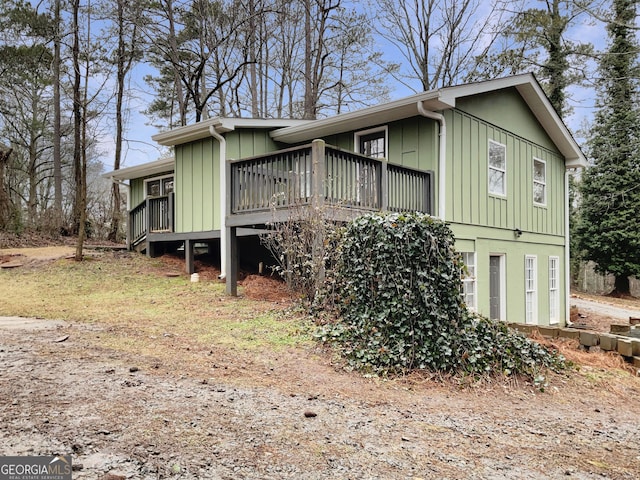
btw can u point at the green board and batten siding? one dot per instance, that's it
(484, 223)
(198, 176)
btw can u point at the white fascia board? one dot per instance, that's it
(360, 119)
(143, 170)
(553, 125)
(200, 130)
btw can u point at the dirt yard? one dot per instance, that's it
(293, 414)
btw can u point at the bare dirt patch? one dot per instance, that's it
(186, 412)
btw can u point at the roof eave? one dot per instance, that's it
(200, 130)
(358, 119)
(146, 169)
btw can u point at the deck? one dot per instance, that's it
(340, 184)
(289, 185)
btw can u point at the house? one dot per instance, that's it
(490, 158)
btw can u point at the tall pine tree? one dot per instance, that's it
(609, 226)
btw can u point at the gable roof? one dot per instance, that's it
(443, 99)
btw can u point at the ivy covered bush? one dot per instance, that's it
(396, 289)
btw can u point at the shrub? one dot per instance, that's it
(396, 287)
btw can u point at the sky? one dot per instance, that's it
(140, 148)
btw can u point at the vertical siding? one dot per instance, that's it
(196, 176)
(468, 197)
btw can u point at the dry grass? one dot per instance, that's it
(145, 310)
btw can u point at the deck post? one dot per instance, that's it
(188, 256)
(170, 213)
(383, 188)
(318, 161)
(231, 254)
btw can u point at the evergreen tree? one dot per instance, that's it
(609, 227)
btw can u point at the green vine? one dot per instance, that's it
(396, 291)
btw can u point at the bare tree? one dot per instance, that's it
(57, 113)
(128, 22)
(439, 39)
(538, 40)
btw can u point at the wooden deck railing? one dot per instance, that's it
(137, 224)
(160, 213)
(310, 175)
(320, 174)
(155, 214)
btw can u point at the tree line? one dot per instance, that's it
(66, 75)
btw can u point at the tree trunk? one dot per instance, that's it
(57, 129)
(622, 287)
(121, 76)
(5, 199)
(77, 120)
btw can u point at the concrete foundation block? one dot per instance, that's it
(551, 332)
(569, 333)
(624, 347)
(620, 328)
(589, 339)
(608, 342)
(521, 327)
(636, 362)
(635, 346)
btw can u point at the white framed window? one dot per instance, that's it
(158, 186)
(372, 143)
(531, 289)
(554, 290)
(539, 181)
(469, 282)
(497, 168)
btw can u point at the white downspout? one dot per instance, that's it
(442, 157)
(567, 253)
(223, 200)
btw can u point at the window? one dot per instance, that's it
(372, 143)
(539, 181)
(531, 294)
(469, 280)
(497, 168)
(156, 187)
(554, 292)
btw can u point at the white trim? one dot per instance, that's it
(533, 319)
(200, 130)
(442, 99)
(554, 306)
(143, 170)
(498, 194)
(567, 253)
(155, 179)
(471, 279)
(544, 184)
(362, 133)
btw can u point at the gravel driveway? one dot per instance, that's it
(604, 309)
(121, 418)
